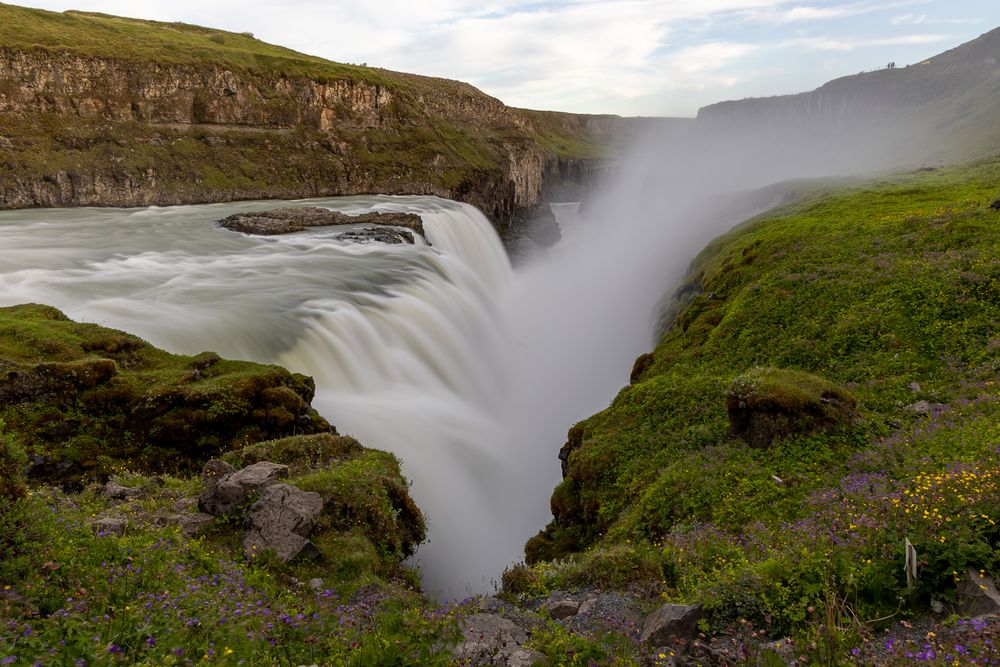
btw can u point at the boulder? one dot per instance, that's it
(259, 475)
(192, 523)
(214, 469)
(109, 526)
(560, 606)
(115, 491)
(281, 521)
(377, 235)
(229, 492)
(489, 639)
(671, 622)
(766, 405)
(222, 498)
(978, 595)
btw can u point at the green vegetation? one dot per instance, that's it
(134, 40)
(873, 311)
(91, 399)
(154, 597)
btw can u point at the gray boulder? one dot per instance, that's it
(295, 219)
(215, 469)
(192, 523)
(115, 491)
(222, 498)
(232, 490)
(258, 475)
(978, 595)
(281, 521)
(561, 607)
(109, 526)
(671, 621)
(489, 639)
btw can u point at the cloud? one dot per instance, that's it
(708, 57)
(572, 55)
(841, 44)
(806, 13)
(924, 19)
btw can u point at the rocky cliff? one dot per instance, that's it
(97, 110)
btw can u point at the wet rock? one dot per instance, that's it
(978, 595)
(289, 220)
(377, 235)
(109, 526)
(115, 491)
(489, 639)
(671, 622)
(281, 521)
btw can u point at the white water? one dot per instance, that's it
(409, 345)
(469, 372)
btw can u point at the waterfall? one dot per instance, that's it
(407, 344)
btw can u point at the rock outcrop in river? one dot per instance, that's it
(384, 227)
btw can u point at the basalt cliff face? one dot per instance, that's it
(83, 126)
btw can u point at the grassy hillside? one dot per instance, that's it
(80, 405)
(135, 40)
(883, 299)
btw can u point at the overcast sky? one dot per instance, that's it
(629, 57)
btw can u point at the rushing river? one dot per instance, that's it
(413, 347)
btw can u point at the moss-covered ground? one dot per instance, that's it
(887, 295)
(93, 399)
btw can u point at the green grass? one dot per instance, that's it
(99, 398)
(134, 40)
(152, 596)
(884, 294)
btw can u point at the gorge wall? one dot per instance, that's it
(80, 126)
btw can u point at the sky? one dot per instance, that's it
(626, 57)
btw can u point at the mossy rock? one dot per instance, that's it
(766, 405)
(98, 398)
(301, 453)
(366, 494)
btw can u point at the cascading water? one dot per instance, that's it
(407, 343)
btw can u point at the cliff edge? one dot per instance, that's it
(97, 110)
